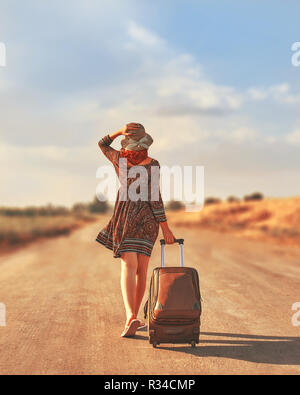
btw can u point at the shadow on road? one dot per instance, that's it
(252, 348)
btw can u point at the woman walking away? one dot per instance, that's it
(134, 226)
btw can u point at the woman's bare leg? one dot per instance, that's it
(141, 280)
(129, 265)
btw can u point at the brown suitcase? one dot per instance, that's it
(174, 305)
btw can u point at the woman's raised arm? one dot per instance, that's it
(106, 141)
(108, 151)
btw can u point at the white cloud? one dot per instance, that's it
(175, 82)
(293, 137)
(257, 94)
(280, 93)
(238, 135)
(42, 174)
(54, 138)
(292, 99)
(143, 36)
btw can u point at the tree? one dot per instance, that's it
(254, 196)
(232, 199)
(211, 200)
(174, 205)
(98, 207)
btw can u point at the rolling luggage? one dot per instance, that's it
(174, 305)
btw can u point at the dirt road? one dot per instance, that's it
(64, 311)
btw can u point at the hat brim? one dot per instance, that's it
(130, 143)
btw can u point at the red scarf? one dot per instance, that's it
(134, 157)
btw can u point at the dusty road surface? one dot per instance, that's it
(65, 316)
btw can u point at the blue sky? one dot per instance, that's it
(211, 78)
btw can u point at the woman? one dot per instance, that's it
(134, 226)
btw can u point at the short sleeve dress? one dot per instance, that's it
(134, 226)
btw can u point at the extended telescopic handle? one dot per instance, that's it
(179, 241)
(163, 243)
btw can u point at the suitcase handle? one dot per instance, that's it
(163, 243)
(179, 241)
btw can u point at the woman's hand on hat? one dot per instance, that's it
(129, 129)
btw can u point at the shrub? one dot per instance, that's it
(232, 199)
(32, 211)
(79, 208)
(98, 207)
(211, 200)
(51, 211)
(174, 205)
(254, 196)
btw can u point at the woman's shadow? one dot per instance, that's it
(252, 348)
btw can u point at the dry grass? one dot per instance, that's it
(18, 230)
(270, 219)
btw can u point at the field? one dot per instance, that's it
(274, 220)
(19, 226)
(19, 230)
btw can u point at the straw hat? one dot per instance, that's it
(138, 140)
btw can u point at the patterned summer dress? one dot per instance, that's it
(134, 225)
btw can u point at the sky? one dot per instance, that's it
(211, 81)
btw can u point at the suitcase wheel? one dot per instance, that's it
(193, 343)
(155, 344)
